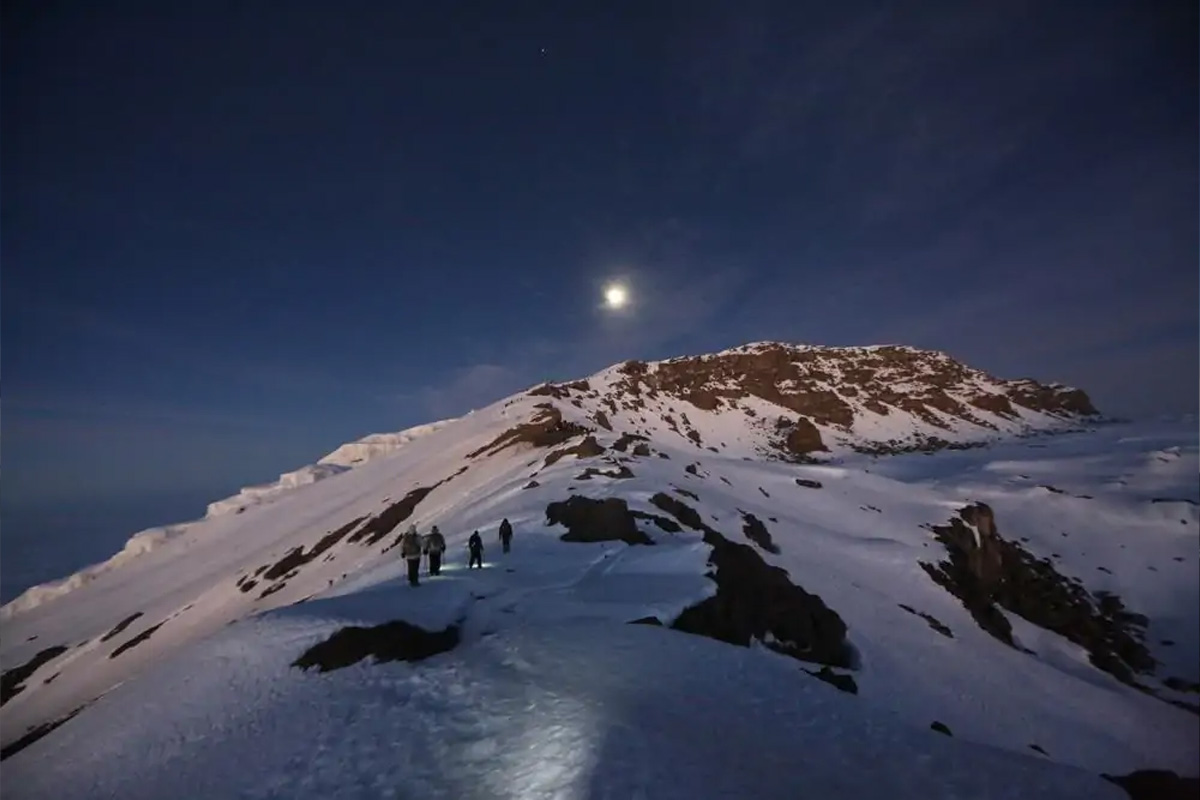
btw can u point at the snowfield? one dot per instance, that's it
(178, 658)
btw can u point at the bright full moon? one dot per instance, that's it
(615, 296)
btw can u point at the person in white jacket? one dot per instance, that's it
(410, 550)
(435, 545)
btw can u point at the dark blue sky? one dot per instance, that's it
(236, 235)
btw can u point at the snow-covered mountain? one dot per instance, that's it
(345, 457)
(883, 519)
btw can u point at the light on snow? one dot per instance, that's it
(616, 296)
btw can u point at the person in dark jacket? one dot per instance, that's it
(475, 545)
(506, 534)
(435, 545)
(410, 551)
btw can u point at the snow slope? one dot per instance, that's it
(617, 708)
(345, 457)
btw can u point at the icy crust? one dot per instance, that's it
(379, 444)
(252, 495)
(345, 457)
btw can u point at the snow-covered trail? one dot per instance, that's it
(559, 711)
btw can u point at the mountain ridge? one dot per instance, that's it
(634, 504)
(785, 391)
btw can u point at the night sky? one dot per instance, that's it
(237, 234)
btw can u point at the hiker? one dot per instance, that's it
(435, 545)
(506, 534)
(410, 551)
(475, 545)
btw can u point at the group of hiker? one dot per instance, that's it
(413, 546)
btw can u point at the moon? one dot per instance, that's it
(616, 296)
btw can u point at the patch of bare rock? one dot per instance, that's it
(987, 572)
(588, 520)
(392, 641)
(757, 601)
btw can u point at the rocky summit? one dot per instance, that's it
(805, 399)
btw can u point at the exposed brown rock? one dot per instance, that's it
(588, 448)
(589, 520)
(625, 439)
(987, 572)
(13, 680)
(621, 473)
(802, 438)
(815, 383)
(546, 429)
(135, 641)
(120, 626)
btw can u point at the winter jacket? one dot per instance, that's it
(410, 545)
(506, 531)
(475, 542)
(435, 542)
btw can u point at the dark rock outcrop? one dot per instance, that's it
(932, 621)
(806, 483)
(622, 472)
(845, 683)
(383, 523)
(135, 641)
(625, 439)
(391, 641)
(589, 520)
(680, 510)
(665, 523)
(987, 572)
(13, 680)
(587, 448)
(120, 626)
(757, 532)
(755, 600)
(940, 728)
(298, 556)
(1156, 784)
(800, 436)
(33, 734)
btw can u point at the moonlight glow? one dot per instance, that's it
(616, 296)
